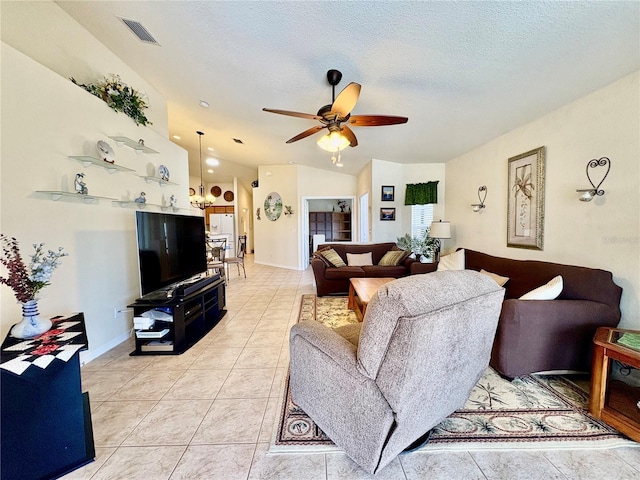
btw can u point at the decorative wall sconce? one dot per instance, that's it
(479, 206)
(586, 195)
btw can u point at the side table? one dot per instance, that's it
(614, 401)
(45, 428)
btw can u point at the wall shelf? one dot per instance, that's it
(57, 195)
(87, 161)
(142, 206)
(132, 144)
(158, 180)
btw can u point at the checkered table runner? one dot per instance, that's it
(49, 351)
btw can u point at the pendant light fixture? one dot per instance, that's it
(200, 200)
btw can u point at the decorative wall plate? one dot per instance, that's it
(228, 196)
(163, 171)
(216, 191)
(273, 206)
(106, 152)
(192, 192)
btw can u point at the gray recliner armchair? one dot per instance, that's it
(376, 387)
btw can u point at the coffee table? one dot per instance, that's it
(614, 401)
(360, 292)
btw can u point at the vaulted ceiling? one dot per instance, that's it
(463, 72)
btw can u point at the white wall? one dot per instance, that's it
(399, 175)
(44, 119)
(604, 233)
(43, 31)
(278, 243)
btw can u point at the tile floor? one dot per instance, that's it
(209, 413)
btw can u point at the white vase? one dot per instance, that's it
(31, 325)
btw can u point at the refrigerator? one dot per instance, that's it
(221, 225)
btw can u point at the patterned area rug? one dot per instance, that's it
(531, 412)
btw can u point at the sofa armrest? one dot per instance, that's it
(416, 268)
(543, 335)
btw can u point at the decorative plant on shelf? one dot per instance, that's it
(26, 282)
(120, 97)
(420, 247)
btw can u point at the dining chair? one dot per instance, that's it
(216, 256)
(238, 260)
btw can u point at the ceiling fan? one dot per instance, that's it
(337, 117)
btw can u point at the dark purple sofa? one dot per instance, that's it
(332, 280)
(543, 335)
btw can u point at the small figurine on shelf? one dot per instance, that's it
(172, 201)
(141, 142)
(79, 184)
(142, 198)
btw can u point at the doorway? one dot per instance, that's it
(364, 217)
(328, 217)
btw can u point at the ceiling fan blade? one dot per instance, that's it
(346, 100)
(375, 120)
(293, 114)
(347, 132)
(306, 133)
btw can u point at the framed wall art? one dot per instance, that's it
(388, 193)
(388, 214)
(525, 200)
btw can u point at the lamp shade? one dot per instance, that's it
(440, 230)
(333, 142)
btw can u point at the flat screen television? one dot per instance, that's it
(171, 249)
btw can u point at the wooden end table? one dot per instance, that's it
(360, 292)
(613, 401)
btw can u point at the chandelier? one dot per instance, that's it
(200, 200)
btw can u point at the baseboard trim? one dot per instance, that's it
(288, 267)
(93, 353)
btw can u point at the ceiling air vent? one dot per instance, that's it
(139, 31)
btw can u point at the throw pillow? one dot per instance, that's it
(453, 261)
(333, 257)
(549, 291)
(359, 259)
(500, 280)
(393, 257)
(322, 258)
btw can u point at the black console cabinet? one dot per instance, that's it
(194, 315)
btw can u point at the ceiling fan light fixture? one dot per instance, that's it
(334, 141)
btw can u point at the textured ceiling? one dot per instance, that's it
(463, 72)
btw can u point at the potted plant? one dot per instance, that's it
(423, 249)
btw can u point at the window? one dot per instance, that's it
(421, 218)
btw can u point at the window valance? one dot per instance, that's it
(421, 193)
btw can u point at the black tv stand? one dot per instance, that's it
(195, 311)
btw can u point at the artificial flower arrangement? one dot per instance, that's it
(120, 97)
(25, 281)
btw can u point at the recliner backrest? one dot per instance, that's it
(425, 330)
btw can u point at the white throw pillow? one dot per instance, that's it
(453, 261)
(359, 259)
(499, 279)
(549, 291)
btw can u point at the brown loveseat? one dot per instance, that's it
(334, 280)
(543, 335)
